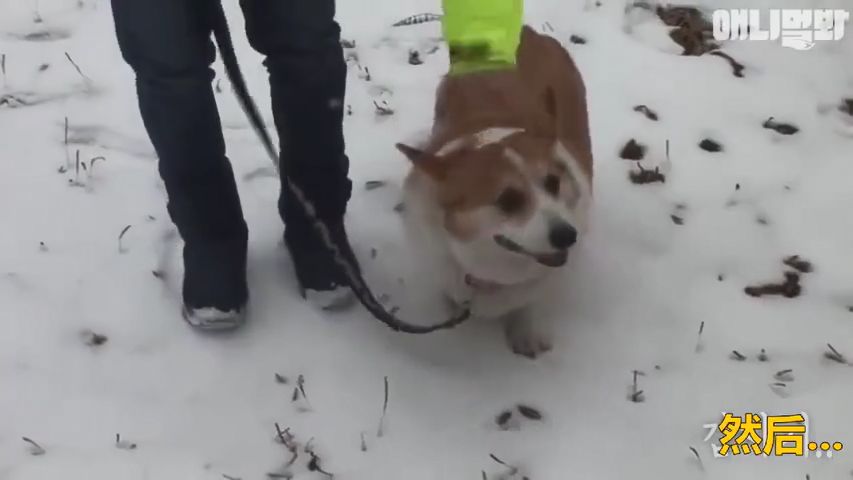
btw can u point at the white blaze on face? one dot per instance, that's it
(534, 235)
(484, 258)
(580, 196)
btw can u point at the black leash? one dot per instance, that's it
(359, 287)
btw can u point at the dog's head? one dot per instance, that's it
(511, 208)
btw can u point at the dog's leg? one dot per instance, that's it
(526, 335)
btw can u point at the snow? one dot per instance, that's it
(200, 406)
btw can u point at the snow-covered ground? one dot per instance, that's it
(639, 287)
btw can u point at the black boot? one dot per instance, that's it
(321, 280)
(304, 57)
(167, 43)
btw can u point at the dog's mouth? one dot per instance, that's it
(553, 260)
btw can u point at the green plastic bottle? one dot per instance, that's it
(482, 34)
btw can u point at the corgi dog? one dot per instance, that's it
(499, 192)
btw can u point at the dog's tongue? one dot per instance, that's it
(556, 259)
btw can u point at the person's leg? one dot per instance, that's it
(167, 44)
(301, 42)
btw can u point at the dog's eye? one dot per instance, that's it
(552, 185)
(511, 200)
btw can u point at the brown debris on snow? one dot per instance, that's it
(503, 418)
(645, 176)
(35, 449)
(798, 264)
(529, 412)
(415, 58)
(710, 145)
(847, 106)
(783, 128)
(633, 150)
(834, 355)
(789, 288)
(694, 33)
(737, 67)
(636, 395)
(648, 112)
(738, 356)
(93, 339)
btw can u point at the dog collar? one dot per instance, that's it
(482, 285)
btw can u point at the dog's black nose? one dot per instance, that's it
(562, 236)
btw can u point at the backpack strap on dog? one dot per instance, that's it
(483, 35)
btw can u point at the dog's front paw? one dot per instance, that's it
(526, 338)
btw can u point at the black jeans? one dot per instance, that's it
(168, 45)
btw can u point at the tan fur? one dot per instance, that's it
(456, 193)
(545, 96)
(518, 98)
(545, 64)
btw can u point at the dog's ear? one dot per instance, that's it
(427, 162)
(413, 154)
(551, 103)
